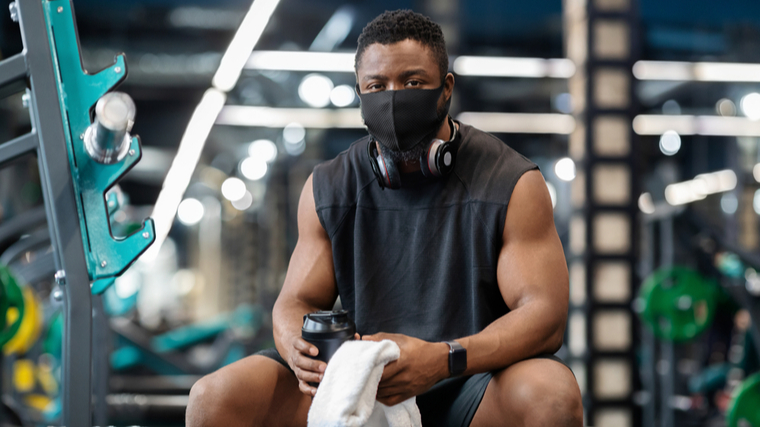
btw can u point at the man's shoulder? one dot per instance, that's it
(349, 158)
(488, 166)
(336, 181)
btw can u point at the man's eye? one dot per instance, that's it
(375, 86)
(413, 83)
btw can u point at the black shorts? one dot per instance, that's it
(450, 403)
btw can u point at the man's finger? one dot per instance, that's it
(307, 376)
(304, 347)
(306, 389)
(392, 400)
(308, 364)
(391, 370)
(388, 391)
(376, 337)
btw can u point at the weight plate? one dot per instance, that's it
(31, 325)
(10, 296)
(744, 409)
(677, 303)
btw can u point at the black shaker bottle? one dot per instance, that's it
(327, 330)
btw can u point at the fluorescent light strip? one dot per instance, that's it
(350, 118)
(203, 118)
(540, 123)
(696, 71)
(513, 67)
(700, 187)
(183, 166)
(652, 124)
(239, 115)
(242, 44)
(463, 65)
(301, 61)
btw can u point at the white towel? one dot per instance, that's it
(346, 396)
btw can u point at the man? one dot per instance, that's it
(445, 263)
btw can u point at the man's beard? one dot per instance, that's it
(410, 155)
(416, 152)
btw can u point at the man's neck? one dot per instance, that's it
(444, 133)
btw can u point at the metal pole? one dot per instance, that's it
(63, 218)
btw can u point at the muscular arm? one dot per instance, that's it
(532, 277)
(309, 286)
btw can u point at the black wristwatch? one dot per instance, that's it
(457, 358)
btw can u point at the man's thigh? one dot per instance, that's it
(255, 391)
(533, 392)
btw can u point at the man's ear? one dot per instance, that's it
(448, 85)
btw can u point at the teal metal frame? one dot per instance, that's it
(60, 95)
(78, 92)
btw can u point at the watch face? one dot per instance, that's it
(457, 360)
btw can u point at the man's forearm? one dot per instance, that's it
(527, 331)
(287, 319)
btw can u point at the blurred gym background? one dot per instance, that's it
(642, 114)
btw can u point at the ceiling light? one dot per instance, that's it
(233, 189)
(729, 203)
(700, 187)
(242, 44)
(670, 143)
(245, 202)
(696, 71)
(263, 149)
(315, 90)
(183, 166)
(513, 67)
(293, 133)
(342, 96)
(565, 169)
(655, 124)
(750, 105)
(552, 193)
(646, 205)
(253, 168)
(190, 211)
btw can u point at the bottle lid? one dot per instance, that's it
(327, 324)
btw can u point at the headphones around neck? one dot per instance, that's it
(436, 161)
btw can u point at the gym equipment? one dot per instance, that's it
(60, 95)
(744, 410)
(162, 354)
(10, 298)
(30, 327)
(677, 303)
(106, 153)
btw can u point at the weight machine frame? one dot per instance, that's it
(58, 95)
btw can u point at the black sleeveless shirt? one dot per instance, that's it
(420, 260)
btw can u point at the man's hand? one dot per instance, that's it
(420, 366)
(307, 370)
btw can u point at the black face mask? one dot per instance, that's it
(401, 119)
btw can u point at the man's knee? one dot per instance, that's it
(209, 402)
(550, 402)
(234, 395)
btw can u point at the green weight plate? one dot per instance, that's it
(10, 296)
(744, 409)
(677, 303)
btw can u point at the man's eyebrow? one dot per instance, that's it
(412, 72)
(375, 77)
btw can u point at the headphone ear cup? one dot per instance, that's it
(438, 159)
(384, 168)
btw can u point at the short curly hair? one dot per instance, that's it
(398, 25)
